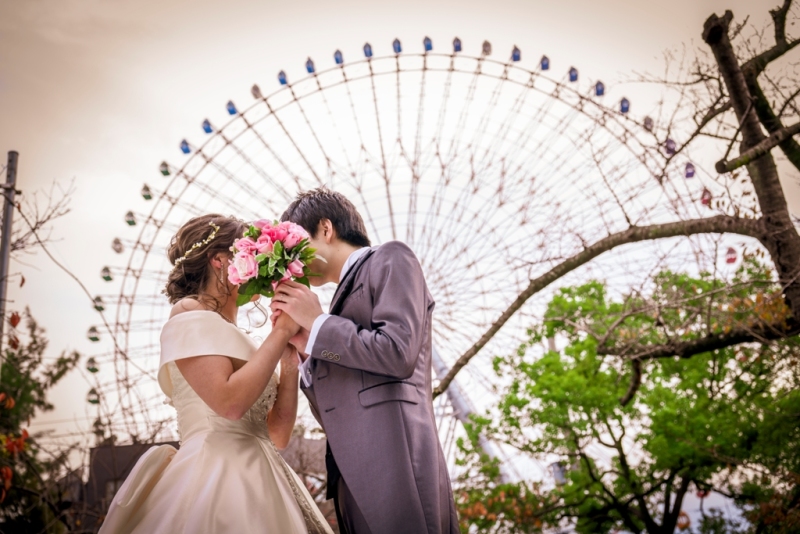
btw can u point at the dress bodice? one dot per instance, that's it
(196, 417)
(198, 333)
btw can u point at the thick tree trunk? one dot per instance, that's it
(781, 239)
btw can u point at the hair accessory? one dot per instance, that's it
(197, 245)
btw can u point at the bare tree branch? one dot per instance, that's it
(687, 349)
(756, 65)
(634, 234)
(636, 381)
(783, 242)
(777, 137)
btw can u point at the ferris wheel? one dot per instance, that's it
(488, 170)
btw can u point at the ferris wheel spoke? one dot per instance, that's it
(232, 178)
(383, 153)
(489, 111)
(308, 124)
(268, 180)
(335, 128)
(293, 142)
(505, 126)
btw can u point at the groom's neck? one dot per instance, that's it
(341, 251)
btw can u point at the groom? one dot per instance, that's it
(367, 374)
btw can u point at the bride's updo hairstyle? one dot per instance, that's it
(192, 248)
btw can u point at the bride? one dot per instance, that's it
(234, 410)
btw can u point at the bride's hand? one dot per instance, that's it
(285, 322)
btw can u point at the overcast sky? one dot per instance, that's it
(102, 91)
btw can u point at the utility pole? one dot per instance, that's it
(9, 191)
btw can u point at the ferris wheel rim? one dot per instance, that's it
(622, 119)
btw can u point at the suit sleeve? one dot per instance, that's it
(392, 346)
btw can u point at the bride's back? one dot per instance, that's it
(204, 333)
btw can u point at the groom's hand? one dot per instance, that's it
(298, 301)
(300, 341)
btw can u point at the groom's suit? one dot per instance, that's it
(371, 392)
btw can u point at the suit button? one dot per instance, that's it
(325, 353)
(336, 357)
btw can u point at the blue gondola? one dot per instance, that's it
(396, 46)
(544, 63)
(689, 170)
(428, 44)
(367, 50)
(338, 57)
(599, 89)
(230, 107)
(516, 54)
(207, 126)
(310, 66)
(573, 74)
(456, 45)
(282, 78)
(624, 105)
(185, 147)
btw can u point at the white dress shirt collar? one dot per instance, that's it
(351, 260)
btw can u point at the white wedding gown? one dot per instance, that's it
(227, 476)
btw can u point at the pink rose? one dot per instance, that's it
(245, 244)
(244, 266)
(296, 268)
(296, 234)
(233, 275)
(263, 244)
(263, 224)
(277, 233)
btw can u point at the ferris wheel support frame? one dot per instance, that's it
(463, 410)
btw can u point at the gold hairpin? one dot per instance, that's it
(197, 245)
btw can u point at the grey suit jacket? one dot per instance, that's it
(371, 392)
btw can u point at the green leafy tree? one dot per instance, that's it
(30, 500)
(724, 420)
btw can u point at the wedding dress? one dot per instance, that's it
(227, 476)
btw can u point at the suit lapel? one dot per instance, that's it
(346, 285)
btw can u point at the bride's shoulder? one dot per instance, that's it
(185, 305)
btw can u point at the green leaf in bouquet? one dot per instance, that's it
(281, 269)
(253, 232)
(277, 249)
(262, 271)
(299, 247)
(248, 287)
(303, 280)
(261, 257)
(241, 300)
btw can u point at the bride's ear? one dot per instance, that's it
(218, 261)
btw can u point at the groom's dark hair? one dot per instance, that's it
(311, 207)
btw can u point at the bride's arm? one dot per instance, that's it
(230, 393)
(283, 414)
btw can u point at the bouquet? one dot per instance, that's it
(267, 254)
